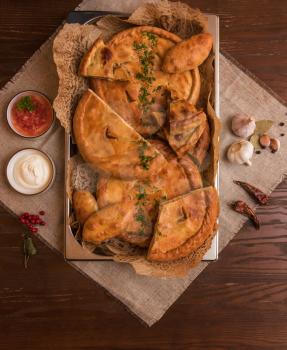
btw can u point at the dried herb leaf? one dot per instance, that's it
(255, 141)
(29, 249)
(263, 126)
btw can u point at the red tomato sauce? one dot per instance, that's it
(32, 123)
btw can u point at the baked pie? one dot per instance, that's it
(184, 224)
(139, 126)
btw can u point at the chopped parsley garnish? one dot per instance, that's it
(144, 159)
(139, 46)
(157, 88)
(140, 213)
(143, 95)
(141, 195)
(146, 57)
(26, 104)
(151, 37)
(141, 232)
(140, 217)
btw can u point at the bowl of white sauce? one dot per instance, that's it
(30, 171)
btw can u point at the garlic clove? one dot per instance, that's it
(274, 145)
(240, 152)
(243, 125)
(264, 141)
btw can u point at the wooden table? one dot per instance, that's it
(238, 302)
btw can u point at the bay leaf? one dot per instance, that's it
(29, 248)
(254, 139)
(263, 126)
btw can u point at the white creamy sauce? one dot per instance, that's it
(30, 171)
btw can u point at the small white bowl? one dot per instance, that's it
(11, 104)
(15, 184)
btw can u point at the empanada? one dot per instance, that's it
(188, 54)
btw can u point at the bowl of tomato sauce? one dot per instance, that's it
(30, 114)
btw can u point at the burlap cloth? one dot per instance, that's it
(146, 297)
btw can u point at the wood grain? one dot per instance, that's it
(238, 302)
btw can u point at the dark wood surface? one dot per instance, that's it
(238, 302)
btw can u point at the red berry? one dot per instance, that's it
(42, 223)
(25, 214)
(31, 228)
(37, 217)
(34, 230)
(42, 212)
(22, 220)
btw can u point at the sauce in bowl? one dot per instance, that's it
(30, 114)
(30, 171)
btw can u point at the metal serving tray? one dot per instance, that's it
(72, 249)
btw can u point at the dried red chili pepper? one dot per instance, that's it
(260, 196)
(242, 208)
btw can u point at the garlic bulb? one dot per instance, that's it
(240, 152)
(243, 125)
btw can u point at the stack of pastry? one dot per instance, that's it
(139, 126)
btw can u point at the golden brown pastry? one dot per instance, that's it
(136, 55)
(146, 80)
(188, 54)
(144, 199)
(111, 190)
(108, 143)
(119, 58)
(184, 224)
(147, 197)
(199, 151)
(148, 194)
(192, 172)
(195, 90)
(185, 126)
(185, 162)
(123, 98)
(126, 220)
(168, 183)
(84, 204)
